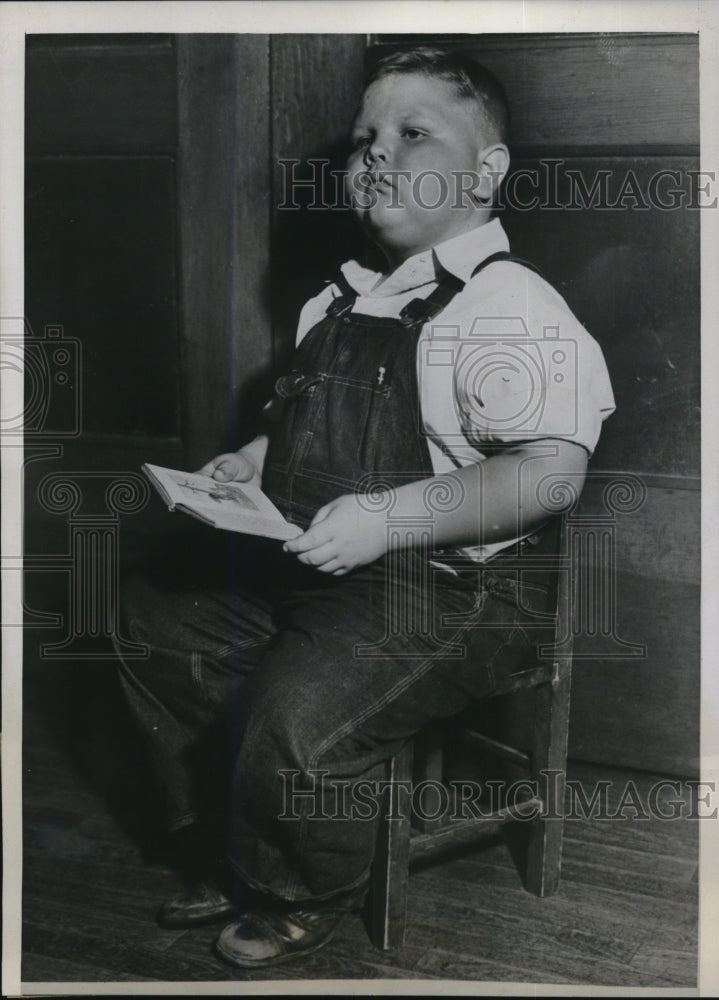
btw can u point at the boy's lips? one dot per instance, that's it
(378, 180)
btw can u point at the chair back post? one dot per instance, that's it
(551, 733)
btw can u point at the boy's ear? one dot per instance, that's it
(492, 165)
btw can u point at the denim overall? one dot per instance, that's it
(350, 410)
(315, 689)
(350, 407)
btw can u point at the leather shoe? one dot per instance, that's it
(200, 903)
(260, 938)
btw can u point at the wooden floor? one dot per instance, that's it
(625, 915)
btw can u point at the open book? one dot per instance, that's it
(232, 506)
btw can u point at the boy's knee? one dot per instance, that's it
(283, 731)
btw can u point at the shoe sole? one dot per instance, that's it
(251, 963)
(186, 923)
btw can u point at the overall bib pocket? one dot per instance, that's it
(343, 432)
(294, 405)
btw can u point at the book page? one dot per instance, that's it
(232, 500)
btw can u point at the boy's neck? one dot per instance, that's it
(396, 256)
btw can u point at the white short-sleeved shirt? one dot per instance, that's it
(506, 361)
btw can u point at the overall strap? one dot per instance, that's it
(417, 311)
(423, 310)
(506, 256)
(344, 302)
(420, 311)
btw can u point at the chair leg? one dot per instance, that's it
(549, 771)
(390, 868)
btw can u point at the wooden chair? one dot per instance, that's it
(402, 840)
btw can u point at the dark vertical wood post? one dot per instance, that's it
(224, 185)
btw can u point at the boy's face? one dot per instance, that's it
(414, 124)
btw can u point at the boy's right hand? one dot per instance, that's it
(231, 467)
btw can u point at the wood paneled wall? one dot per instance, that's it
(155, 232)
(608, 92)
(101, 234)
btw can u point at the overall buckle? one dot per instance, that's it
(340, 305)
(418, 311)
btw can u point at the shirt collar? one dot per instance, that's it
(459, 255)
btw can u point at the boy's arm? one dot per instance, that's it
(239, 466)
(503, 497)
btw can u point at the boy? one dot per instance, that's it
(427, 410)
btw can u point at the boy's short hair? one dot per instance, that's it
(470, 81)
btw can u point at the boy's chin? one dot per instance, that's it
(390, 248)
(387, 231)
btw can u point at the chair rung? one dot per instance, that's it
(423, 845)
(497, 748)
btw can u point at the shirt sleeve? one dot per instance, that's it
(525, 368)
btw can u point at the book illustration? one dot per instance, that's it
(232, 493)
(241, 507)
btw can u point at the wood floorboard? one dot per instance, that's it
(630, 882)
(618, 858)
(573, 906)
(129, 953)
(674, 966)
(479, 909)
(594, 950)
(51, 968)
(611, 870)
(664, 873)
(625, 915)
(492, 947)
(659, 838)
(576, 955)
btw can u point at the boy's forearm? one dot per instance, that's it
(505, 496)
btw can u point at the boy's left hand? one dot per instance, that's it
(342, 536)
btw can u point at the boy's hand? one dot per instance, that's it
(232, 467)
(342, 536)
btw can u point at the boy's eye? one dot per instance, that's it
(360, 141)
(413, 133)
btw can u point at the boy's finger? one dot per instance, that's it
(209, 468)
(320, 515)
(206, 470)
(225, 471)
(312, 539)
(319, 557)
(332, 566)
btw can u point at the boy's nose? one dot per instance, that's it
(377, 152)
